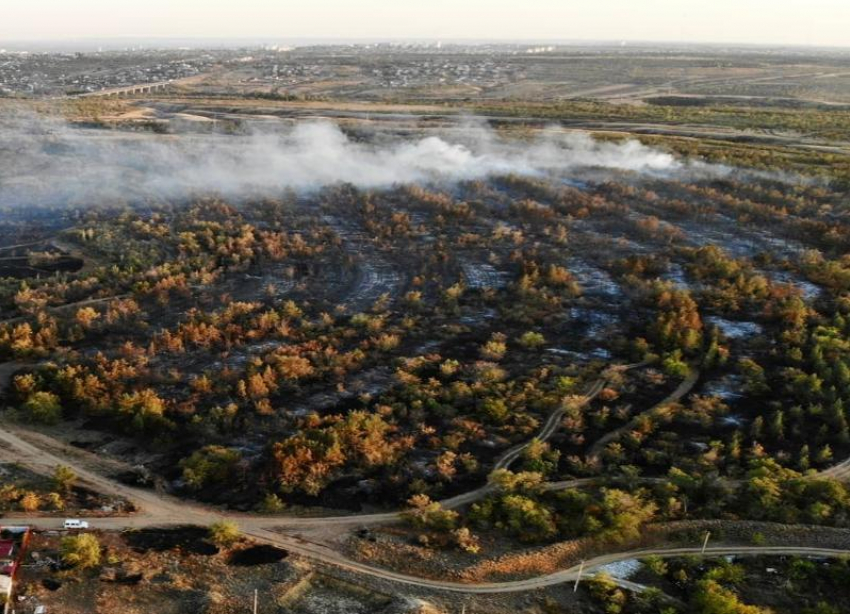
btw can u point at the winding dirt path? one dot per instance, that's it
(160, 510)
(658, 410)
(23, 447)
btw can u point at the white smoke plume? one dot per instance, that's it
(49, 162)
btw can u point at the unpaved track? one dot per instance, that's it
(16, 444)
(159, 510)
(657, 410)
(839, 472)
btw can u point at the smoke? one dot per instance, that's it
(47, 161)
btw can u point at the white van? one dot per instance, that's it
(75, 523)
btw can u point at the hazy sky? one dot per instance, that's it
(813, 22)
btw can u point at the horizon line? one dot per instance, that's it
(331, 40)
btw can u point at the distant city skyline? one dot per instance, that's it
(757, 22)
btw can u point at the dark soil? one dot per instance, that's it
(191, 540)
(257, 555)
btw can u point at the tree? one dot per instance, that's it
(272, 504)
(64, 479)
(613, 514)
(656, 565)
(145, 408)
(674, 366)
(494, 350)
(603, 589)
(427, 514)
(224, 533)
(43, 407)
(294, 367)
(210, 466)
(526, 518)
(30, 502)
(678, 325)
(495, 410)
(86, 316)
(54, 499)
(755, 381)
(466, 540)
(80, 551)
(539, 457)
(712, 598)
(624, 514)
(527, 482)
(532, 340)
(307, 460)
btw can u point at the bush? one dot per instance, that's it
(224, 533)
(272, 504)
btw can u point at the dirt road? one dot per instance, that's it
(162, 510)
(658, 410)
(17, 444)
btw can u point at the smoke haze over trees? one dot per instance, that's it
(47, 161)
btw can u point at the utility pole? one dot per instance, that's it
(705, 543)
(256, 598)
(578, 579)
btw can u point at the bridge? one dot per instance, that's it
(127, 90)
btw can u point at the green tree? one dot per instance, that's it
(604, 590)
(80, 551)
(675, 366)
(532, 340)
(54, 499)
(495, 410)
(526, 518)
(623, 514)
(539, 457)
(712, 598)
(656, 565)
(43, 407)
(272, 504)
(210, 466)
(525, 482)
(427, 514)
(64, 479)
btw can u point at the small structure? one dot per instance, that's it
(7, 557)
(13, 544)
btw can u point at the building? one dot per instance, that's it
(8, 550)
(13, 543)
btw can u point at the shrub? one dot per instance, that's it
(224, 533)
